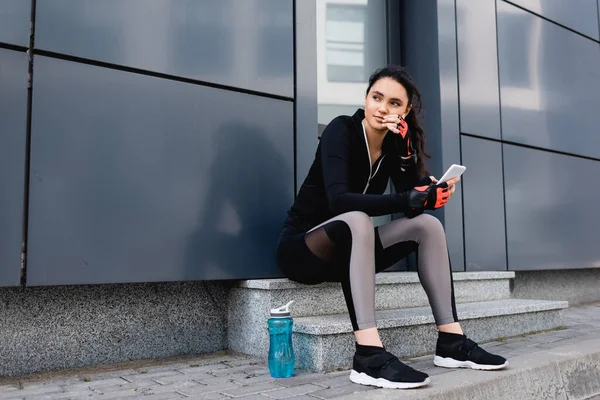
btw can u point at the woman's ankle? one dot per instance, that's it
(368, 337)
(451, 328)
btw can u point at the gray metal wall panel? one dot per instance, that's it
(429, 51)
(247, 44)
(13, 122)
(579, 15)
(551, 220)
(550, 80)
(478, 67)
(306, 87)
(14, 22)
(137, 178)
(483, 197)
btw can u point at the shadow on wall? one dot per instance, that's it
(250, 190)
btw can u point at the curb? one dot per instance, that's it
(568, 372)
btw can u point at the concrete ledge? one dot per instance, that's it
(340, 323)
(392, 291)
(568, 372)
(57, 327)
(384, 278)
(415, 334)
(250, 302)
(577, 286)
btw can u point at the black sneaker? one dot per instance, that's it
(383, 369)
(457, 351)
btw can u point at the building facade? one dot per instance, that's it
(164, 141)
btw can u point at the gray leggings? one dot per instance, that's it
(359, 251)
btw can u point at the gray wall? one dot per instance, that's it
(529, 78)
(429, 53)
(13, 119)
(162, 138)
(511, 91)
(14, 22)
(148, 161)
(14, 41)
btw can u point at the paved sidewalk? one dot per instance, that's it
(226, 376)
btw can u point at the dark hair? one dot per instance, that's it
(400, 75)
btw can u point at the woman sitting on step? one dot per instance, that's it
(328, 235)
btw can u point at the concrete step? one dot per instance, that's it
(323, 343)
(250, 301)
(393, 290)
(565, 372)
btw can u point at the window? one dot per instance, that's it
(345, 43)
(351, 44)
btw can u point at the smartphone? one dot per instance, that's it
(452, 172)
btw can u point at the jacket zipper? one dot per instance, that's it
(371, 175)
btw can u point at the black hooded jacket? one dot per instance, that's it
(341, 178)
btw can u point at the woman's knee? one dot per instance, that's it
(429, 225)
(359, 223)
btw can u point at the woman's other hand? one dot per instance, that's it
(395, 124)
(452, 185)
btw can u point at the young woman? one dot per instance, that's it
(328, 234)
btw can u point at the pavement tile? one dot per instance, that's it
(489, 345)
(98, 384)
(27, 392)
(439, 371)
(512, 340)
(300, 378)
(334, 381)
(197, 377)
(515, 346)
(164, 396)
(174, 387)
(542, 338)
(203, 368)
(64, 396)
(245, 361)
(285, 393)
(151, 375)
(548, 346)
(252, 379)
(301, 397)
(568, 333)
(209, 396)
(120, 395)
(233, 370)
(341, 391)
(207, 389)
(136, 387)
(251, 389)
(218, 380)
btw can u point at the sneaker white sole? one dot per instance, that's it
(364, 379)
(448, 362)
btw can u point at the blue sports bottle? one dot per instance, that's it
(281, 351)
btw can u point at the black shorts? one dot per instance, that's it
(298, 263)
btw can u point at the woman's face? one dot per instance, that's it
(386, 97)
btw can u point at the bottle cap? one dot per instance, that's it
(282, 311)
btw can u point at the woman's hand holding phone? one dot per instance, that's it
(451, 183)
